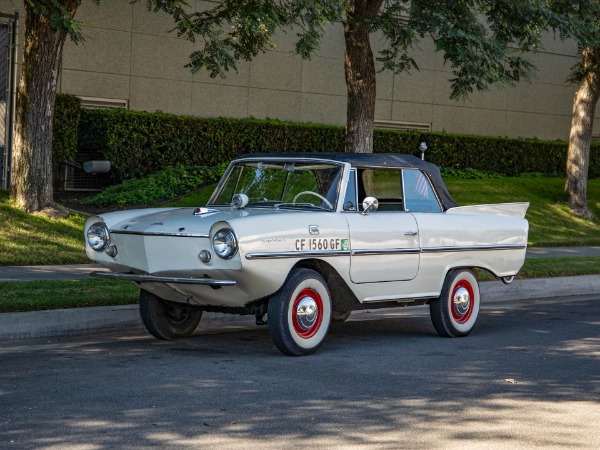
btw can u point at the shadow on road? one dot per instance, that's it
(527, 376)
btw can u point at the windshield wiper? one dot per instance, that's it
(300, 205)
(264, 202)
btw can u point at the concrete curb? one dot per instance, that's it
(76, 321)
(62, 322)
(495, 291)
(79, 321)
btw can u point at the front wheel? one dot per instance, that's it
(300, 313)
(167, 320)
(455, 312)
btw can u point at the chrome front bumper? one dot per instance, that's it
(153, 279)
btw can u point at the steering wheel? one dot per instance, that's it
(316, 195)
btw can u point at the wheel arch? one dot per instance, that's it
(479, 271)
(477, 268)
(342, 297)
(473, 268)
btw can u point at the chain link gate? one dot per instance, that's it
(8, 46)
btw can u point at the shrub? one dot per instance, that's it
(65, 129)
(140, 143)
(163, 185)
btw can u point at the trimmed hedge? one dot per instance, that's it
(505, 156)
(65, 128)
(140, 143)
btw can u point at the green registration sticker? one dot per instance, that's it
(345, 244)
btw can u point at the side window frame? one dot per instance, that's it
(352, 180)
(393, 204)
(431, 188)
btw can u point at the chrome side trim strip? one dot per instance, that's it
(158, 233)
(390, 251)
(474, 248)
(153, 279)
(279, 255)
(398, 299)
(371, 252)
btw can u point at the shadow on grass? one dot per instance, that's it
(26, 239)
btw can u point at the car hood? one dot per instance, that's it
(181, 221)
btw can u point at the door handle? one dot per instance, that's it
(410, 233)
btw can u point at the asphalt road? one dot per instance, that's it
(528, 376)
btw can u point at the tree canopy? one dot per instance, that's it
(483, 41)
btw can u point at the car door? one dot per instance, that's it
(384, 245)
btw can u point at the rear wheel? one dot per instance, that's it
(300, 313)
(455, 312)
(167, 320)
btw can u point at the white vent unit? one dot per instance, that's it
(96, 166)
(406, 126)
(103, 103)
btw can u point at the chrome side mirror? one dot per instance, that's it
(370, 204)
(239, 201)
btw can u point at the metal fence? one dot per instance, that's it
(72, 177)
(8, 45)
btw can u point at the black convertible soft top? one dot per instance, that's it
(374, 160)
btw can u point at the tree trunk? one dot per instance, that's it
(31, 183)
(580, 138)
(359, 66)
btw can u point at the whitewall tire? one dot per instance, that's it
(300, 313)
(455, 312)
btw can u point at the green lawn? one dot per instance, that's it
(550, 223)
(35, 240)
(31, 240)
(20, 296)
(27, 239)
(560, 267)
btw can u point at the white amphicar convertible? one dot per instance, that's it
(305, 239)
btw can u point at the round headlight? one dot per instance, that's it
(225, 243)
(98, 236)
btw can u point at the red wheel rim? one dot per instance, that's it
(461, 306)
(307, 313)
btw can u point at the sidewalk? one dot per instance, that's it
(561, 252)
(48, 273)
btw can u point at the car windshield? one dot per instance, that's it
(283, 185)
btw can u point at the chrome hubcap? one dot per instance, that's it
(462, 301)
(307, 313)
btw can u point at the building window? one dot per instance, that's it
(103, 103)
(400, 125)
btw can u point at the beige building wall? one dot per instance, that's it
(130, 55)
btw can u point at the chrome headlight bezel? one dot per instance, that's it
(98, 236)
(224, 243)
